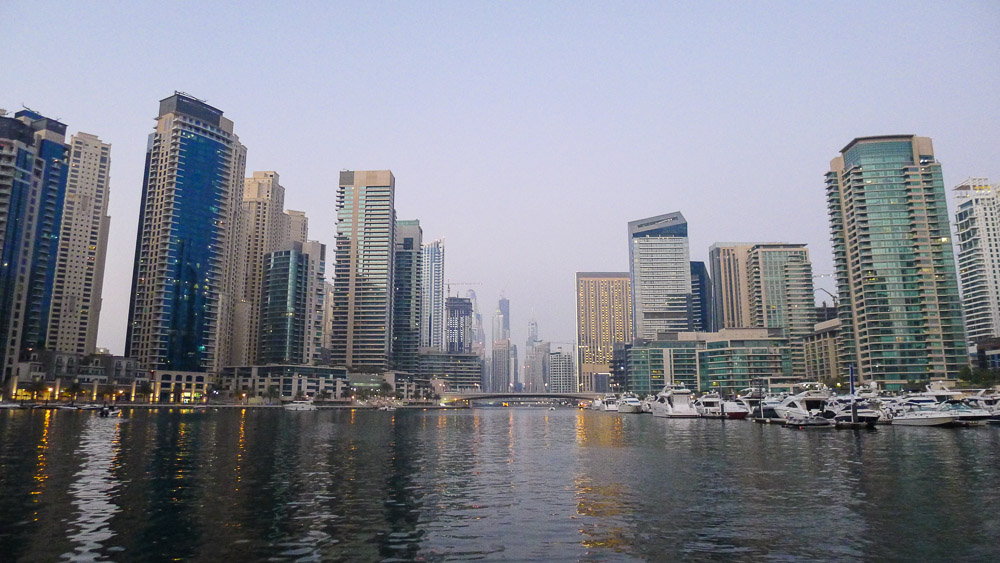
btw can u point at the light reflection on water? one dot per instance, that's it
(92, 489)
(512, 484)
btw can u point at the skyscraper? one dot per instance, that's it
(899, 303)
(180, 316)
(33, 176)
(296, 226)
(362, 301)
(82, 248)
(780, 287)
(432, 295)
(659, 265)
(730, 285)
(458, 325)
(291, 304)
(504, 307)
(977, 225)
(701, 298)
(406, 296)
(263, 229)
(500, 380)
(562, 376)
(603, 319)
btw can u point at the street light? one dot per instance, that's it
(47, 397)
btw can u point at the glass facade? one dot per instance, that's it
(180, 311)
(899, 301)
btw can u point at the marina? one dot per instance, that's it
(362, 485)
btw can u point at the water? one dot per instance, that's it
(496, 484)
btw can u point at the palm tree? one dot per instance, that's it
(323, 395)
(35, 387)
(273, 393)
(345, 392)
(146, 390)
(385, 388)
(74, 389)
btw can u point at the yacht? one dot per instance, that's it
(305, 405)
(921, 416)
(674, 402)
(711, 405)
(801, 421)
(807, 402)
(647, 404)
(629, 404)
(609, 403)
(864, 412)
(966, 415)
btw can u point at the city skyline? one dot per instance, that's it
(800, 128)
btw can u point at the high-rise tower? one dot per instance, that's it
(263, 229)
(366, 241)
(603, 319)
(180, 316)
(977, 225)
(899, 303)
(432, 295)
(291, 304)
(82, 248)
(406, 296)
(33, 175)
(659, 265)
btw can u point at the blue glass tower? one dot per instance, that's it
(180, 312)
(32, 190)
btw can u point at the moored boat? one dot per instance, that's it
(629, 404)
(921, 416)
(674, 402)
(305, 405)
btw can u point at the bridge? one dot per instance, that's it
(482, 396)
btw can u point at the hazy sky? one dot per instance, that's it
(527, 134)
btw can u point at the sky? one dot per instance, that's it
(527, 134)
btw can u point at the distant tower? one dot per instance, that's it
(432, 295)
(263, 229)
(33, 179)
(701, 298)
(504, 308)
(406, 296)
(730, 284)
(83, 244)
(180, 317)
(562, 375)
(291, 306)
(500, 377)
(977, 225)
(659, 261)
(458, 325)
(362, 301)
(900, 310)
(603, 319)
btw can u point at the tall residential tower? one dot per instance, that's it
(977, 225)
(659, 265)
(180, 316)
(366, 243)
(899, 303)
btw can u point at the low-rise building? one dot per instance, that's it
(290, 381)
(459, 371)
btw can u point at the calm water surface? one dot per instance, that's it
(507, 484)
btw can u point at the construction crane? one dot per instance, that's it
(450, 283)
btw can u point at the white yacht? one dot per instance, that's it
(810, 401)
(609, 403)
(674, 402)
(966, 415)
(629, 404)
(921, 416)
(306, 405)
(711, 405)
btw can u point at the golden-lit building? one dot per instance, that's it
(603, 318)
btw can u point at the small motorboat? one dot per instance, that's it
(808, 422)
(305, 405)
(922, 416)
